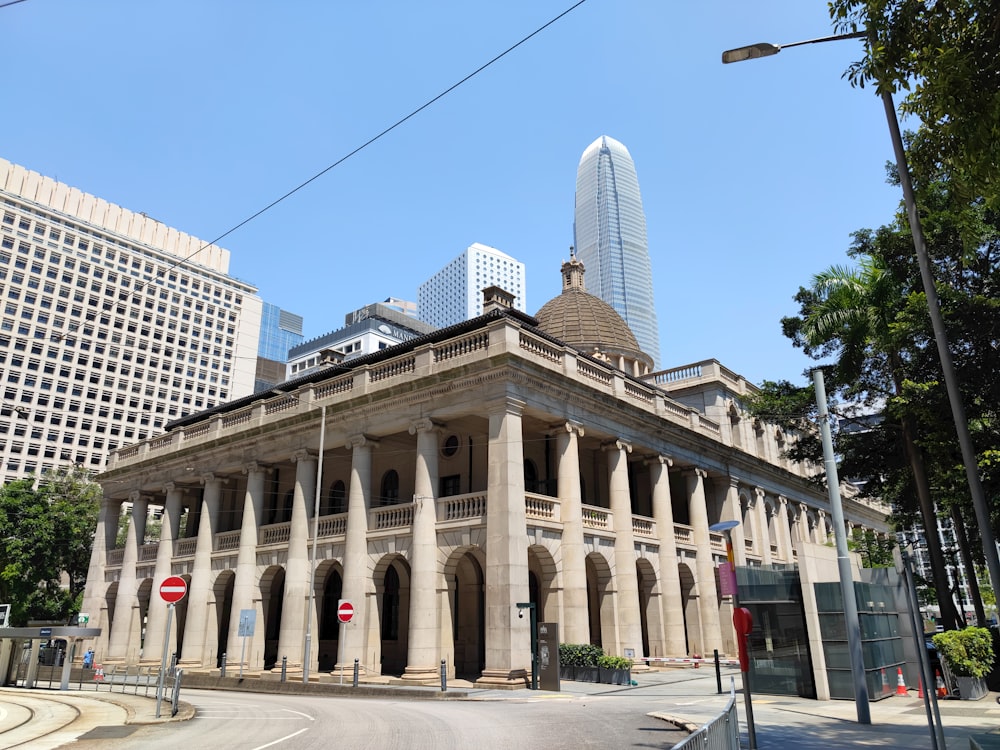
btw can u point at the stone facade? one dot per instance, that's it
(458, 474)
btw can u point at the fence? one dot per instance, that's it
(721, 733)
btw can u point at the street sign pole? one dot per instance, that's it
(163, 660)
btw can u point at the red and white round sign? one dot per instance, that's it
(345, 611)
(173, 589)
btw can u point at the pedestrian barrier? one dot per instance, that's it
(721, 733)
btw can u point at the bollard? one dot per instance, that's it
(718, 672)
(222, 666)
(356, 673)
(444, 676)
(284, 667)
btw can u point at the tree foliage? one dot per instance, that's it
(943, 54)
(45, 540)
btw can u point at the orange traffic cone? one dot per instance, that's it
(99, 673)
(939, 688)
(900, 685)
(920, 687)
(885, 684)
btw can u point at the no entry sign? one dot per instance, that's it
(173, 589)
(345, 611)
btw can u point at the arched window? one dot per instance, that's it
(390, 488)
(337, 501)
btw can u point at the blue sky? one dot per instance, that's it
(753, 176)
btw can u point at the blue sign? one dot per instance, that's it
(45, 632)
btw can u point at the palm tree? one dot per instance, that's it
(850, 313)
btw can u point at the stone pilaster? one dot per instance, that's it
(764, 532)
(156, 620)
(626, 580)
(576, 619)
(784, 528)
(732, 510)
(708, 596)
(292, 633)
(357, 572)
(124, 643)
(508, 640)
(195, 649)
(422, 646)
(246, 589)
(670, 582)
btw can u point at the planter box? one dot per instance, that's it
(567, 673)
(587, 674)
(971, 688)
(615, 676)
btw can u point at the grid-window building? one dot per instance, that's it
(455, 293)
(107, 332)
(280, 331)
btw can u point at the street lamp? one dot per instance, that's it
(930, 292)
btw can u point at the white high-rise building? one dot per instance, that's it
(455, 293)
(113, 325)
(609, 231)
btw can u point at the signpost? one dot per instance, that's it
(172, 590)
(248, 621)
(345, 613)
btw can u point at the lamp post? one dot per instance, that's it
(979, 504)
(742, 622)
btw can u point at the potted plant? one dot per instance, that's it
(969, 656)
(615, 670)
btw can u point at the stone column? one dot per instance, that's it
(670, 582)
(156, 620)
(576, 619)
(732, 510)
(764, 533)
(357, 572)
(292, 631)
(821, 535)
(708, 597)
(508, 640)
(195, 647)
(95, 590)
(246, 591)
(422, 658)
(124, 641)
(784, 528)
(626, 580)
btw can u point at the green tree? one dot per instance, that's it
(45, 540)
(943, 53)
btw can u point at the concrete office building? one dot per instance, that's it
(107, 333)
(455, 293)
(456, 475)
(371, 328)
(609, 230)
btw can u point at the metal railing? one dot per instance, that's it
(721, 733)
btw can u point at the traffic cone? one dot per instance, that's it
(920, 687)
(939, 688)
(99, 673)
(885, 684)
(900, 685)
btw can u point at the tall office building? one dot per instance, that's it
(455, 293)
(609, 231)
(107, 332)
(280, 331)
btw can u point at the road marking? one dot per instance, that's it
(282, 739)
(299, 713)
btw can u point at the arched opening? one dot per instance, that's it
(689, 605)
(600, 607)
(223, 590)
(337, 499)
(143, 594)
(180, 613)
(394, 607)
(272, 591)
(650, 613)
(468, 616)
(530, 476)
(329, 625)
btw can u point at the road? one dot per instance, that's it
(242, 721)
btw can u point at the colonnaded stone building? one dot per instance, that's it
(502, 460)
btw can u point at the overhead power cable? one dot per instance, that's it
(375, 138)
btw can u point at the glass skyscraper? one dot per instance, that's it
(609, 231)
